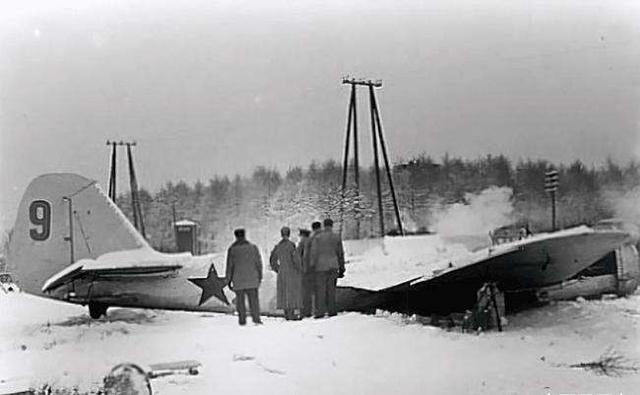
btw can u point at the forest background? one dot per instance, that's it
(452, 196)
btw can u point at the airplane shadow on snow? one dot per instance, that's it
(124, 315)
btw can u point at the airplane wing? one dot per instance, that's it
(479, 266)
(426, 287)
(534, 261)
(401, 263)
(140, 262)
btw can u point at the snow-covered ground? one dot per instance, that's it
(44, 341)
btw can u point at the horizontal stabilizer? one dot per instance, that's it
(120, 264)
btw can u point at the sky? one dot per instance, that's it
(208, 88)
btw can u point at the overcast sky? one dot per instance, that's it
(220, 87)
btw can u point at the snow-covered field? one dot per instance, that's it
(44, 341)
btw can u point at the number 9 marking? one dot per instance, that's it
(40, 215)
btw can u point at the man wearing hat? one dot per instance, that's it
(244, 275)
(285, 261)
(327, 259)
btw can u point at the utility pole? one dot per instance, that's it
(383, 146)
(175, 219)
(551, 182)
(376, 161)
(173, 211)
(352, 120)
(377, 140)
(112, 171)
(133, 183)
(138, 222)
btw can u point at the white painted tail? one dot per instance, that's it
(63, 218)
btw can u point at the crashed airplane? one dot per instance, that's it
(72, 243)
(579, 261)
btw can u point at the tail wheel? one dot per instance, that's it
(97, 310)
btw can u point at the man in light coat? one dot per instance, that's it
(285, 261)
(244, 275)
(327, 260)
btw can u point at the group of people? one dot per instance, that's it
(307, 273)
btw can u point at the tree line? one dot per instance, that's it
(267, 199)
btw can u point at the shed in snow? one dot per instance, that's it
(187, 232)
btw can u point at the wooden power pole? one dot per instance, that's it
(551, 183)
(138, 221)
(378, 141)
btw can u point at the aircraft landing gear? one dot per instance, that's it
(97, 310)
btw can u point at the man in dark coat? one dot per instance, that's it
(285, 261)
(244, 274)
(309, 275)
(327, 259)
(301, 249)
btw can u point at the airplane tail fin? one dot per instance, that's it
(63, 218)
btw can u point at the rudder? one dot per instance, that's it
(63, 218)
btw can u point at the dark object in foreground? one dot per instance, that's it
(129, 378)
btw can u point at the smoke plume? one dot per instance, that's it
(626, 206)
(480, 213)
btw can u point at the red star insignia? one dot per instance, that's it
(212, 285)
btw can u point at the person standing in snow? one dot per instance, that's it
(327, 259)
(307, 274)
(285, 261)
(244, 275)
